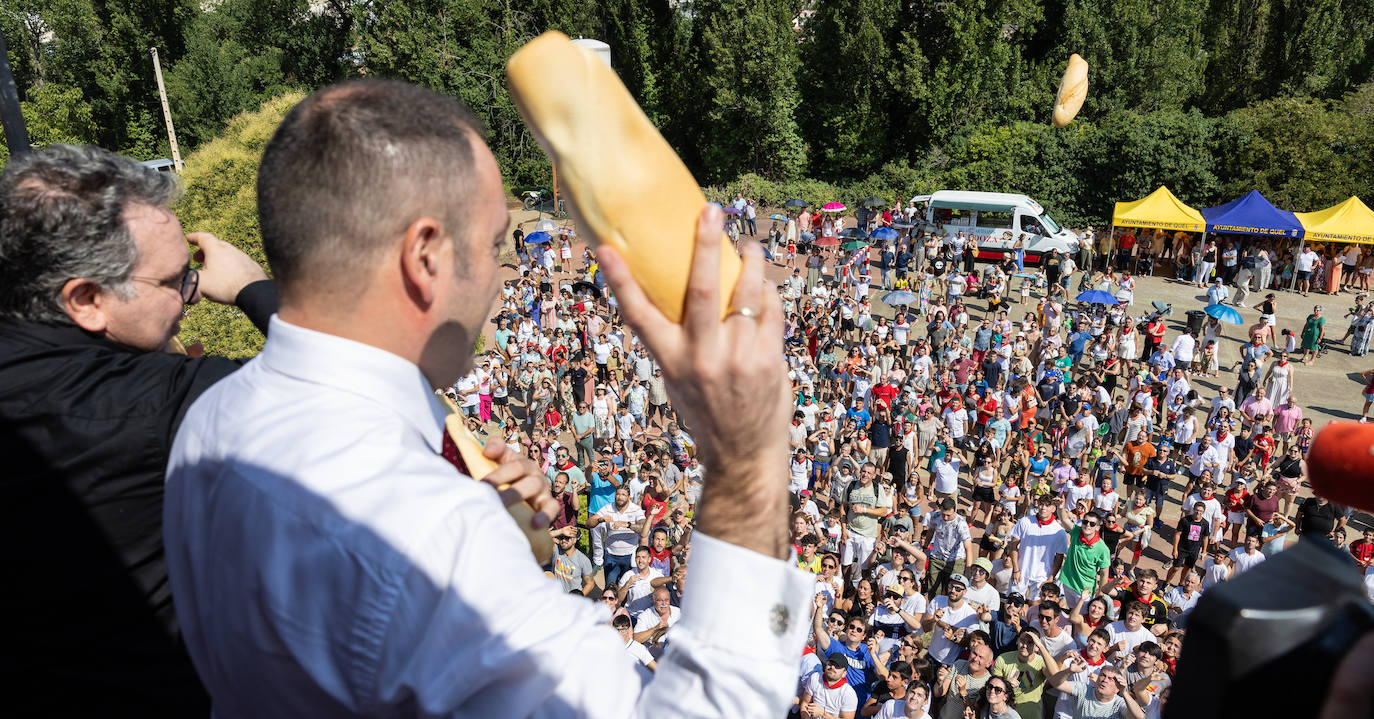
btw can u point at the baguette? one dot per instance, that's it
(628, 188)
(1073, 90)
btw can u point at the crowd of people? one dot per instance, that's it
(805, 505)
(976, 486)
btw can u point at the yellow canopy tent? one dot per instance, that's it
(1158, 209)
(1350, 221)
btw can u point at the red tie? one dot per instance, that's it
(450, 452)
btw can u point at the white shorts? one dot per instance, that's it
(1268, 320)
(857, 549)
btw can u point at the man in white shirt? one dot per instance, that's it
(1183, 347)
(1130, 630)
(654, 622)
(636, 586)
(1039, 544)
(828, 693)
(1247, 557)
(950, 617)
(636, 650)
(327, 553)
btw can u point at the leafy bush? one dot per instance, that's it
(221, 198)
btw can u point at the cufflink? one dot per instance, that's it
(779, 619)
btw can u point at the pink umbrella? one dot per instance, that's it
(834, 207)
(827, 242)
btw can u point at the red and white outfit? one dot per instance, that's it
(833, 699)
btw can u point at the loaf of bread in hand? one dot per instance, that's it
(1073, 90)
(628, 188)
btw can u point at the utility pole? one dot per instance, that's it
(16, 135)
(166, 113)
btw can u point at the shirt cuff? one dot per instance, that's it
(746, 602)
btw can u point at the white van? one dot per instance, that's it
(995, 219)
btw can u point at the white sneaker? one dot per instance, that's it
(1363, 420)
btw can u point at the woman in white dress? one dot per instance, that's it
(1278, 380)
(1125, 342)
(1125, 293)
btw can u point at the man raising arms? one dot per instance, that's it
(326, 557)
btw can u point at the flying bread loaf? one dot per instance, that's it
(629, 190)
(1073, 90)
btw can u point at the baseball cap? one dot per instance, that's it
(837, 659)
(959, 579)
(1014, 598)
(902, 523)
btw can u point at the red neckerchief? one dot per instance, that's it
(808, 650)
(1172, 664)
(569, 464)
(661, 556)
(1148, 601)
(1100, 660)
(1045, 522)
(843, 681)
(1088, 543)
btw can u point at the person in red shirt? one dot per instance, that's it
(655, 502)
(885, 393)
(1236, 500)
(1363, 549)
(987, 409)
(1264, 447)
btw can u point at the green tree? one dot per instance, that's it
(459, 47)
(844, 58)
(1237, 34)
(55, 113)
(1142, 54)
(743, 60)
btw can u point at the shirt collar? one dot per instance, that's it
(356, 368)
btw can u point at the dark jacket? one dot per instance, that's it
(86, 425)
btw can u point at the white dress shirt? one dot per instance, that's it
(326, 560)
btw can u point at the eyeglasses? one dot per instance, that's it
(994, 688)
(186, 284)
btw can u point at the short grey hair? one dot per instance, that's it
(62, 218)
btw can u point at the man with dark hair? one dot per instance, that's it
(94, 276)
(327, 549)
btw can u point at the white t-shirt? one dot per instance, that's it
(833, 701)
(1133, 639)
(1245, 561)
(947, 476)
(641, 591)
(941, 649)
(1306, 260)
(987, 596)
(621, 541)
(649, 619)
(639, 652)
(956, 421)
(1038, 546)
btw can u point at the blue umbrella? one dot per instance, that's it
(852, 233)
(537, 238)
(899, 297)
(1097, 297)
(1225, 314)
(884, 233)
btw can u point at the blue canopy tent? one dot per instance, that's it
(1251, 214)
